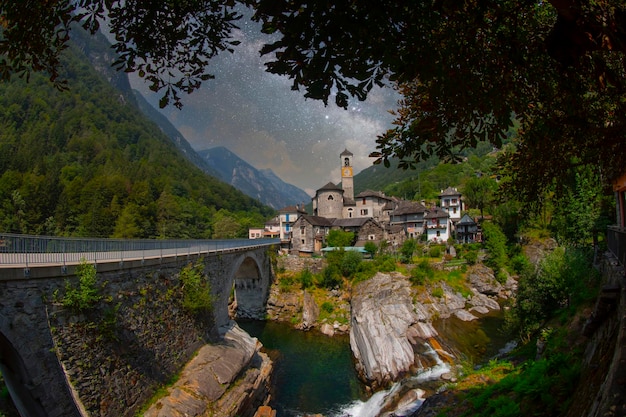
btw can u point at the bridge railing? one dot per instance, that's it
(28, 250)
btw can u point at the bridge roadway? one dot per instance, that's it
(20, 255)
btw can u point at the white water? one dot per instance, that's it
(373, 406)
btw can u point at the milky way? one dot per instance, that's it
(256, 115)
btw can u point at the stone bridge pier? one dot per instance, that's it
(152, 338)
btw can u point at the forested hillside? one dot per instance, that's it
(85, 162)
(429, 177)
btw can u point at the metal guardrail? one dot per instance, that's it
(29, 250)
(616, 241)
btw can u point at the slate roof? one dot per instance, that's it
(370, 193)
(449, 192)
(436, 213)
(466, 219)
(317, 220)
(292, 209)
(346, 152)
(352, 222)
(409, 207)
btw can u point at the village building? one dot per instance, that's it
(451, 203)
(437, 225)
(467, 230)
(370, 215)
(286, 218)
(410, 215)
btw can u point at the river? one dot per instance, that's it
(314, 373)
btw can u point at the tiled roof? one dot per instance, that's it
(346, 152)
(317, 220)
(370, 193)
(409, 207)
(436, 213)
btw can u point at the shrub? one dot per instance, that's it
(350, 263)
(196, 289)
(330, 277)
(328, 307)
(371, 248)
(407, 250)
(422, 273)
(306, 279)
(386, 263)
(471, 257)
(86, 295)
(434, 252)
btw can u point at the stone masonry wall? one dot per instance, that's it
(138, 337)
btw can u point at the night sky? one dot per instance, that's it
(257, 116)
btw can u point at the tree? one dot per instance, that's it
(478, 192)
(465, 69)
(339, 239)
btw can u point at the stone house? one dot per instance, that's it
(286, 218)
(309, 234)
(370, 204)
(364, 229)
(411, 216)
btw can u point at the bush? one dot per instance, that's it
(330, 277)
(196, 289)
(421, 273)
(434, 252)
(495, 244)
(328, 307)
(306, 279)
(407, 250)
(371, 248)
(385, 263)
(471, 257)
(86, 295)
(350, 263)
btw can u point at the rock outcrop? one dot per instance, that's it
(230, 377)
(385, 329)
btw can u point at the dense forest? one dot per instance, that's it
(85, 162)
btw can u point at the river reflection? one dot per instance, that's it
(313, 373)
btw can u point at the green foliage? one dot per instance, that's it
(385, 263)
(339, 238)
(350, 263)
(80, 163)
(305, 278)
(435, 251)
(330, 277)
(496, 246)
(479, 192)
(564, 278)
(86, 294)
(196, 289)
(542, 387)
(371, 248)
(328, 307)
(407, 250)
(422, 273)
(584, 208)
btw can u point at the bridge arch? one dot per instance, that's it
(17, 381)
(246, 284)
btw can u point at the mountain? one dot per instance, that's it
(87, 162)
(262, 185)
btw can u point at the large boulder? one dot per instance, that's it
(385, 329)
(231, 376)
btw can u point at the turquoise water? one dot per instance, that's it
(313, 373)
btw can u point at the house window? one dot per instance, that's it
(438, 233)
(303, 241)
(454, 210)
(330, 197)
(364, 200)
(302, 229)
(371, 237)
(454, 201)
(364, 212)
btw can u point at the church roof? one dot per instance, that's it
(330, 187)
(346, 152)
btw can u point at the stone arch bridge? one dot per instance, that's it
(34, 270)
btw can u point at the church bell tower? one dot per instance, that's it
(347, 182)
